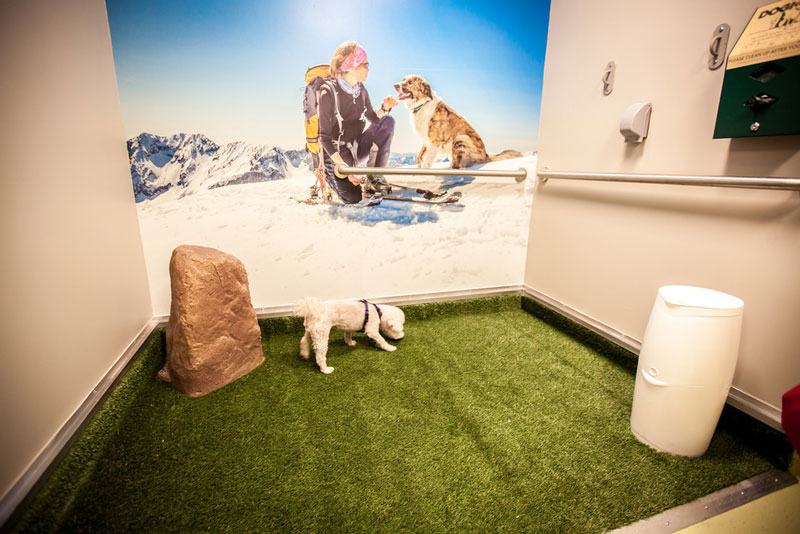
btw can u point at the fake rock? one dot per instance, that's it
(212, 334)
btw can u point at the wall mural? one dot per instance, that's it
(217, 108)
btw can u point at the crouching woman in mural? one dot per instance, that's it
(344, 107)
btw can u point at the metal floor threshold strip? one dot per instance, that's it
(711, 505)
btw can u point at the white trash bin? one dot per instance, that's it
(685, 368)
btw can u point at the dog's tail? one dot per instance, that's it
(505, 154)
(309, 307)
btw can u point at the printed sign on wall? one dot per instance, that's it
(215, 99)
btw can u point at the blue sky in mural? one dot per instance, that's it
(233, 70)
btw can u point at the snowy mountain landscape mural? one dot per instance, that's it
(231, 76)
(238, 197)
(182, 164)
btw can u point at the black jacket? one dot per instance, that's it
(355, 112)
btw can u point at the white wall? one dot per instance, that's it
(603, 249)
(75, 290)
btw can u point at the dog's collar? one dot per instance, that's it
(414, 110)
(366, 313)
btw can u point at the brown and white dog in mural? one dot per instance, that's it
(443, 130)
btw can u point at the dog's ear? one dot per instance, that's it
(426, 89)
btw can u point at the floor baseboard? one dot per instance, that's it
(612, 334)
(285, 310)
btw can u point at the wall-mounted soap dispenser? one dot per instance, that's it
(635, 122)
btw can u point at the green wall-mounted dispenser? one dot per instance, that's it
(761, 88)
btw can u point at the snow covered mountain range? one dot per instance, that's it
(184, 164)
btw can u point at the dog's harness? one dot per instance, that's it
(366, 313)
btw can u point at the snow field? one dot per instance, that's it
(292, 250)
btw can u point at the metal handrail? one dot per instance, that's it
(788, 184)
(342, 171)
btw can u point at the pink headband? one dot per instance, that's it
(354, 60)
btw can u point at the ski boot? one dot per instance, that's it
(376, 184)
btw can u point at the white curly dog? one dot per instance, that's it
(349, 317)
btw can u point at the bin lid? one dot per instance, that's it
(701, 297)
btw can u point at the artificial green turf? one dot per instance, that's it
(488, 417)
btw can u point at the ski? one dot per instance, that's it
(452, 198)
(366, 202)
(377, 198)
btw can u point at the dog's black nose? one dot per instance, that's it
(397, 87)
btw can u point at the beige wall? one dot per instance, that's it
(75, 291)
(603, 249)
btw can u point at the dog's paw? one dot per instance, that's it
(390, 348)
(327, 370)
(350, 342)
(304, 356)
